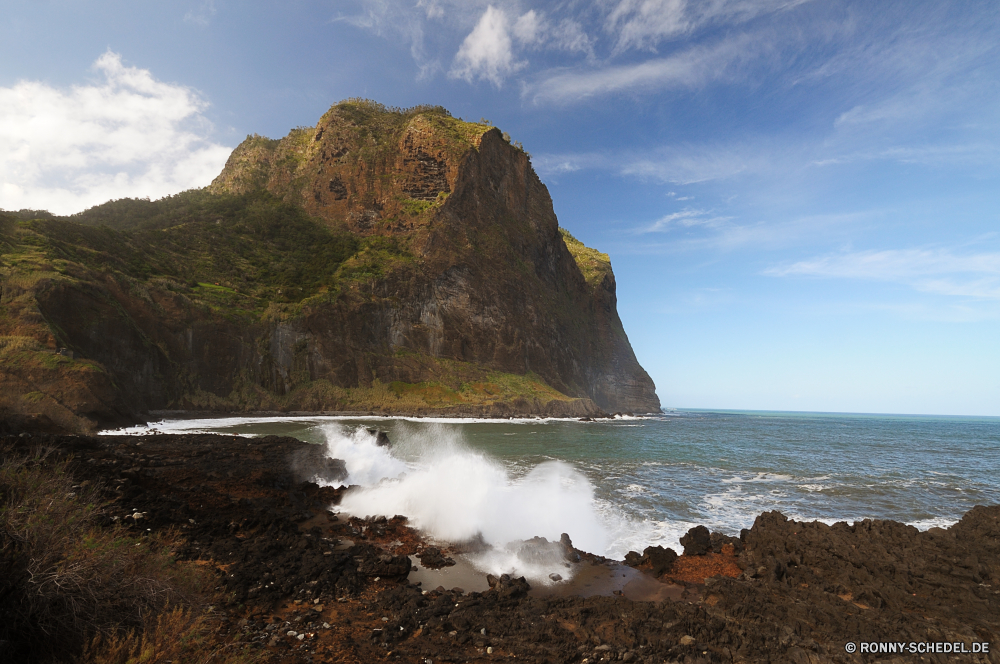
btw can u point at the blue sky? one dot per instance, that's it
(800, 198)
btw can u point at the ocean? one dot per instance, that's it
(631, 482)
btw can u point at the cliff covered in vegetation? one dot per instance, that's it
(384, 260)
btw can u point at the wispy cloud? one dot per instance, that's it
(979, 154)
(202, 15)
(569, 35)
(499, 33)
(693, 67)
(687, 218)
(707, 233)
(129, 135)
(536, 31)
(680, 164)
(643, 24)
(927, 74)
(930, 270)
(484, 39)
(553, 164)
(885, 69)
(430, 28)
(689, 164)
(954, 311)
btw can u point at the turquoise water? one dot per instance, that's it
(647, 480)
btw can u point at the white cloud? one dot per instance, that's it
(127, 136)
(529, 27)
(939, 271)
(486, 52)
(500, 27)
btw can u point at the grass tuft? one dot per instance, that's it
(67, 574)
(177, 635)
(593, 264)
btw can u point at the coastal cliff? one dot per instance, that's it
(381, 261)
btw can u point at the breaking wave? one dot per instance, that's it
(455, 494)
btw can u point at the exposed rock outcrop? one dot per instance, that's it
(499, 285)
(439, 281)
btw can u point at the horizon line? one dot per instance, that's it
(821, 412)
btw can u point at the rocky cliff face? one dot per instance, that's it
(437, 280)
(495, 284)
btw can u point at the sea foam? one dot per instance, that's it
(455, 494)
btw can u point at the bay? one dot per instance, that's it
(623, 484)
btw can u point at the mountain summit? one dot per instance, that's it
(384, 260)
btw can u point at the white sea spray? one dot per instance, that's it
(455, 494)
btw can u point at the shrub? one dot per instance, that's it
(63, 576)
(177, 635)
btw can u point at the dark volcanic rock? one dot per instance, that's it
(697, 541)
(720, 541)
(432, 558)
(312, 464)
(381, 437)
(661, 560)
(807, 589)
(569, 552)
(507, 587)
(658, 559)
(375, 563)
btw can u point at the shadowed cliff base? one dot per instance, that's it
(236, 522)
(400, 250)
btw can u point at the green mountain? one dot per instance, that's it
(384, 260)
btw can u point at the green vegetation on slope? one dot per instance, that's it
(456, 385)
(252, 258)
(255, 250)
(246, 258)
(374, 130)
(228, 251)
(379, 122)
(592, 263)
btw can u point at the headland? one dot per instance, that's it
(384, 260)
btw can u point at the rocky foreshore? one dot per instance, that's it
(304, 584)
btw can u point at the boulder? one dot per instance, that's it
(507, 587)
(697, 542)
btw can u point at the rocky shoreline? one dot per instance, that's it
(582, 409)
(558, 409)
(304, 584)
